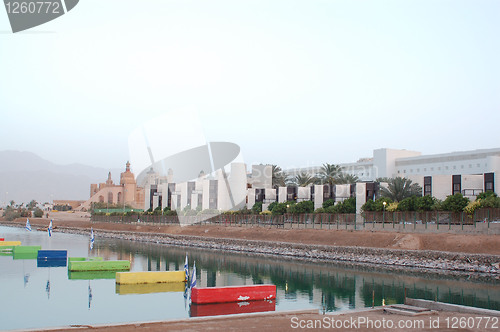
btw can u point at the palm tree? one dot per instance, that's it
(304, 179)
(400, 188)
(344, 178)
(32, 204)
(278, 177)
(329, 173)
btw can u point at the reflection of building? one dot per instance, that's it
(125, 193)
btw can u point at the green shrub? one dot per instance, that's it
(408, 204)
(11, 214)
(170, 213)
(328, 203)
(377, 205)
(486, 194)
(472, 207)
(302, 207)
(425, 203)
(455, 203)
(491, 201)
(347, 206)
(368, 206)
(25, 213)
(279, 209)
(257, 208)
(38, 213)
(271, 206)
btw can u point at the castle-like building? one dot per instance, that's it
(125, 193)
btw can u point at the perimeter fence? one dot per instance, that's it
(483, 221)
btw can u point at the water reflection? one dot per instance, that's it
(150, 288)
(330, 287)
(217, 309)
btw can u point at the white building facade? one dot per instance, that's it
(440, 175)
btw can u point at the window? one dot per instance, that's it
(427, 186)
(446, 167)
(462, 166)
(489, 181)
(454, 167)
(439, 168)
(456, 181)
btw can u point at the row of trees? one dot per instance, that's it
(13, 210)
(453, 203)
(403, 195)
(329, 174)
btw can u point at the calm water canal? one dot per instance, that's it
(49, 296)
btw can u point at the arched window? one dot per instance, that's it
(101, 199)
(119, 198)
(110, 197)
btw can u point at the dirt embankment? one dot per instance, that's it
(394, 251)
(456, 243)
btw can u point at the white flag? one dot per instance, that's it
(193, 277)
(49, 230)
(28, 226)
(186, 268)
(91, 238)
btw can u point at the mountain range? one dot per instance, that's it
(25, 176)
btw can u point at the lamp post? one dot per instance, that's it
(383, 215)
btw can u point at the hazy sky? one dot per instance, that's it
(292, 82)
